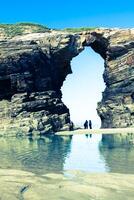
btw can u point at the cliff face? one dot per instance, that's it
(33, 67)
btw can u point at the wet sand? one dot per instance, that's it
(21, 185)
(96, 131)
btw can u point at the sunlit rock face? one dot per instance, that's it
(34, 66)
(117, 106)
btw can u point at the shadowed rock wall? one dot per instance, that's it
(34, 66)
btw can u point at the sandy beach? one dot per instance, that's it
(97, 131)
(15, 184)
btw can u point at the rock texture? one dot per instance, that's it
(33, 67)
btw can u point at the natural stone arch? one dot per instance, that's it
(37, 64)
(69, 82)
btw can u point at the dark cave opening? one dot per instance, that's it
(5, 89)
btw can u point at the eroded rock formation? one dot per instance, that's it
(34, 66)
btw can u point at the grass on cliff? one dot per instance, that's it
(79, 29)
(11, 30)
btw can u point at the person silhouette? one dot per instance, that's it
(71, 127)
(90, 124)
(86, 125)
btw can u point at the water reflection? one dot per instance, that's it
(125, 140)
(118, 152)
(41, 155)
(92, 153)
(85, 154)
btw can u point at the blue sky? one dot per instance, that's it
(69, 13)
(82, 90)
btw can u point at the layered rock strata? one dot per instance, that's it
(33, 67)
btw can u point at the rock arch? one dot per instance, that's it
(37, 64)
(83, 88)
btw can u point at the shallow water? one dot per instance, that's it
(91, 153)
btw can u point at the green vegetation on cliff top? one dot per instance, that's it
(79, 29)
(11, 30)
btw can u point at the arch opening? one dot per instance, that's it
(83, 89)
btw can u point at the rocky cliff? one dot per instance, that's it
(34, 64)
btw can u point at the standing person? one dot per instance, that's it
(86, 125)
(90, 124)
(71, 128)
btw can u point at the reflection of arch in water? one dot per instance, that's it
(118, 152)
(118, 140)
(42, 155)
(53, 154)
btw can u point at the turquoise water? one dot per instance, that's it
(91, 153)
